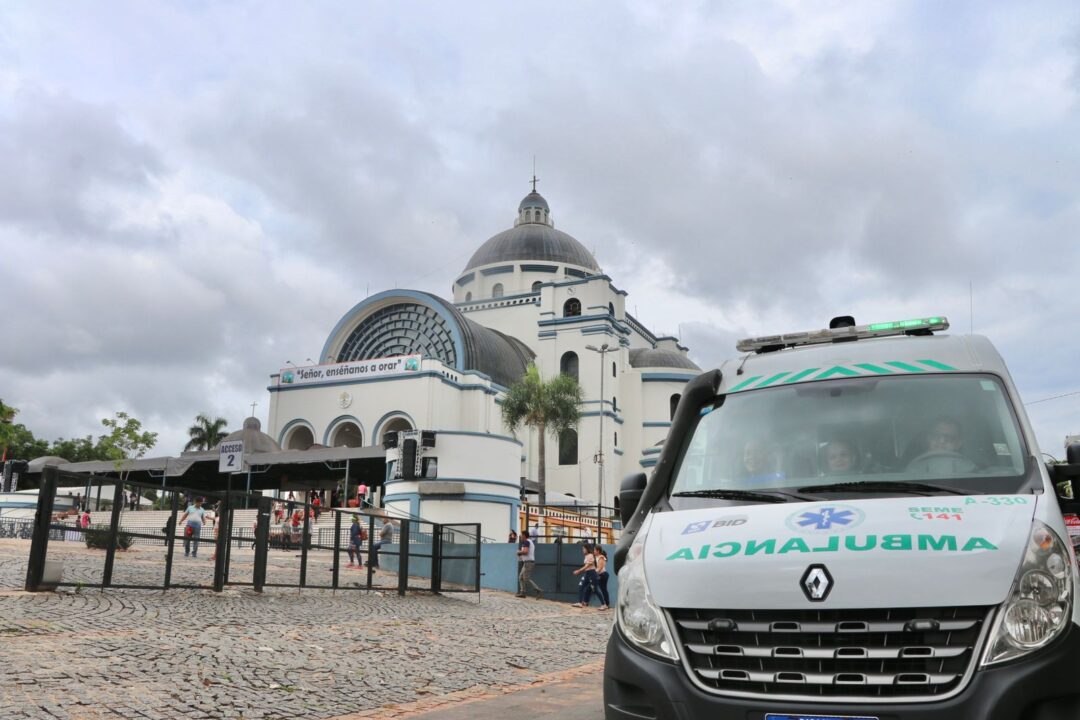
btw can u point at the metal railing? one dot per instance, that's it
(412, 555)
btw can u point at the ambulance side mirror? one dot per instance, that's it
(1064, 477)
(633, 486)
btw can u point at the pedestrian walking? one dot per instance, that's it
(290, 505)
(386, 537)
(356, 539)
(527, 554)
(194, 516)
(602, 578)
(316, 506)
(588, 580)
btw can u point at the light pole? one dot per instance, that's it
(603, 350)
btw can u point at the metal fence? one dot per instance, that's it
(307, 549)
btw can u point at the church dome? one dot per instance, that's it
(255, 440)
(535, 238)
(656, 357)
(533, 200)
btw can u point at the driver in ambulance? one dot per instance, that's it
(944, 451)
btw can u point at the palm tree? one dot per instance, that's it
(206, 433)
(553, 406)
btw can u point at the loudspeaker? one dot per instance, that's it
(389, 441)
(427, 438)
(408, 459)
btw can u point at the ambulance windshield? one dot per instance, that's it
(954, 430)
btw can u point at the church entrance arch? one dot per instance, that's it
(347, 434)
(393, 425)
(299, 438)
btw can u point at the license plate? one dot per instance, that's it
(774, 716)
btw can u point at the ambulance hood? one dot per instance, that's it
(877, 553)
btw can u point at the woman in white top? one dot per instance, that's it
(588, 582)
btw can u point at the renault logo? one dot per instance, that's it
(817, 583)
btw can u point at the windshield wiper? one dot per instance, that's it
(773, 496)
(884, 486)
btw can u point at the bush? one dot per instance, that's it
(98, 537)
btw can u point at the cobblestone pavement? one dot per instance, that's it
(282, 654)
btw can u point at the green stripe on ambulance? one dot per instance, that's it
(891, 367)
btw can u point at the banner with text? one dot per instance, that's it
(356, 370)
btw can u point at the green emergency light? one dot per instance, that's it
(917, 326)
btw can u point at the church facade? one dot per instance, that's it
(405, 360)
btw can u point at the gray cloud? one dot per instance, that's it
(58, 154)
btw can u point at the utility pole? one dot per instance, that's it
(603, 350)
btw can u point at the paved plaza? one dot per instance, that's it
(84, 653)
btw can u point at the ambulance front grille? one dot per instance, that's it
(859, 654)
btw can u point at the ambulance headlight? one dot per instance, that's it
(642, 623)
(1040, 607)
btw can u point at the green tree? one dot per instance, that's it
(7, 425)
(551, 407)
(205, 434)
(80, 449)
(125, 439)
(22, 445)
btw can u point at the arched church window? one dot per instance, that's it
(300, 438)
(616, 439)
(497, 291)
(348, 434)
(613, 370)
(568, 365)
(614, 404)
(611, 309)
(568, 447)
(468, 296)
(571, 308)
(536, 286)
(674, 403)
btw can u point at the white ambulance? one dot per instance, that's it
(847, 523)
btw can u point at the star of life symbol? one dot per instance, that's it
(826, 518)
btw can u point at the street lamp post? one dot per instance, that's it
(603, 350)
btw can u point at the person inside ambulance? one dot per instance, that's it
(840, 457)
(761, 464)
(943, 450)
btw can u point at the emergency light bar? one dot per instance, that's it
(768, 343)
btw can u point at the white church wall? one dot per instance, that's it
(462, 402)
(481, 472)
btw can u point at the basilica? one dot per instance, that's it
(405, 361)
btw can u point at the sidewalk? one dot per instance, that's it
(578, 699)
(574, 694)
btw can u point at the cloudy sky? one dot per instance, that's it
(193, 193)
